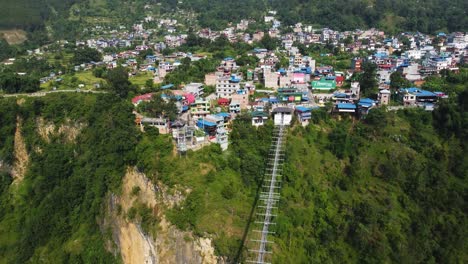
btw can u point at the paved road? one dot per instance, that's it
(38, 94)
(311, 98)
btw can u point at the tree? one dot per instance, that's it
(149, 84)
(83, 55)
(145, 53)
(268, 42)
(118, 81)
(6, 50)
(160, 107)
(99, 72)
(245, 60)
(367, 79)
(13, 83)
(397, 81)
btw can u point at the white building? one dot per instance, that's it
(282, 115)
(194, 88)
(226, 86)
(384, 97)
(414, 54)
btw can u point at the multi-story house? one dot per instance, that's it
(226, 86)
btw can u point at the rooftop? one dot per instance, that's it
(346, 106)
(283, 110)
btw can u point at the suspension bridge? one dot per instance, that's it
(267, 206)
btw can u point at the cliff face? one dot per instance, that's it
(164, 243)
(21, 162)
(69, 130)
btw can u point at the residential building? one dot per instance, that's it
(194, 88)
(271, 79)
(242, 98)
(259, 118)
(161, 124)
(292, 94)
(210, 79)
(282, 115)
(200, 108)
(304, 114)
(234, 107)
(355, 89)
(226, 86)
(412, 96)
(384, 97)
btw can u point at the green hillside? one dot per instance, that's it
(51, 215)
(390, 15)
(391, 188)
(30, 14)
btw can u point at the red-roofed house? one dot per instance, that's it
(223, 101)
(142, 98)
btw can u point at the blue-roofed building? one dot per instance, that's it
(225, 116)
(260, 50)
(416, 96)
(304, 114)
(226, 86)
(219, 132)
(273, 100)
(167, 86)
(345, 108)
(342, 98)
(208, 127)
(365, 104)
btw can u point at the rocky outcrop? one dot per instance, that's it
(68, 129)
(21, 161)
(168, 244)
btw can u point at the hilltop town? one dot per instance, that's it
(298, 69)
(198, 131)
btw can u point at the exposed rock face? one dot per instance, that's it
(168, 245)
(69, 129)
(21, 162)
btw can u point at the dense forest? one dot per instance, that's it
(30, 14)
(390, 189)
(389, 15)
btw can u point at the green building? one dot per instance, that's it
(324, 84)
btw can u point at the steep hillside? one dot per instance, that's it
(66, 152)
(391, 188)
(391, 15)
(30, 14)
(386, 190)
